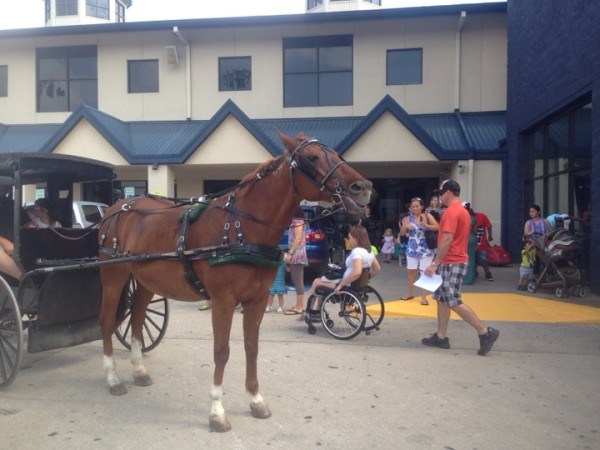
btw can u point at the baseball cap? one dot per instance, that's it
(448, 185)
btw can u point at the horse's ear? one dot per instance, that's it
(287, 141)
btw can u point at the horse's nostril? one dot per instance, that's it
(357, 186)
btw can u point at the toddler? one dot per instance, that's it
(387, 247)
(278, 288)
(528, 255)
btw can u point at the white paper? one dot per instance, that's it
(429, 283)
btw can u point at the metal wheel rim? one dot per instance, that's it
(11, 335)
(155, 322)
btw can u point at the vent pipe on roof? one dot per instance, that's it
(188, 72)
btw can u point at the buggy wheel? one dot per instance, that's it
(531, 287)
(343, 315)
(11, 335)
(155, 322)
(582, 291)
(375, 308)
(560, 292)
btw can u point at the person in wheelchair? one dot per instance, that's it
(359, 258)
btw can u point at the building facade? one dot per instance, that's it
(408, 96)
(553, 126)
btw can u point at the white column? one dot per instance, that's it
(161, 180)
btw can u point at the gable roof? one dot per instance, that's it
(447, 136)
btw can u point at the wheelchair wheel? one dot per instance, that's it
(374, 308)
(343, 315)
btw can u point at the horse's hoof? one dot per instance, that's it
(117, 389)
(142, 380)
(260, 410)
(218, 424)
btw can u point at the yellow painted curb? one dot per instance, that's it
(501, 307)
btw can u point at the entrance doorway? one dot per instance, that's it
(393, 195)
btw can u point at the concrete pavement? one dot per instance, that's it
(537, 389)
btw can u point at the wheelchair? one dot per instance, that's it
(345, 315)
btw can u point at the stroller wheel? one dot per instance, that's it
(560, 292)
(531, 287)
(581, 292)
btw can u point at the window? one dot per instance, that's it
(66, 8)
(119, 12)
(142, 76)
(404, 66)
(47, 10)
(317, 71)
(235, 74)
(3, 81)
(310, 4)
(97, 8)
(558, 163)
(66, 78)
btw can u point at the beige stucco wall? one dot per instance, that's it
(482, 69)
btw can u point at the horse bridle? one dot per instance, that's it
(305, 167)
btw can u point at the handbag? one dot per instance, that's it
(334, 272)
(431, 237)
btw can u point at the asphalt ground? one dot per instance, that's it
(537, 389)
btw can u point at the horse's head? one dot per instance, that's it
(319, 173)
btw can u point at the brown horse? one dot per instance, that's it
(258, 210)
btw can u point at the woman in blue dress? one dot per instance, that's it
(418, 255)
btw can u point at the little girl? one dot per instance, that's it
(528, 255)
(388, 245)
(278, 288)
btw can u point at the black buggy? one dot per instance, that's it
(57, 299)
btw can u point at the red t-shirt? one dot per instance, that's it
(482, 223)
(456, 220)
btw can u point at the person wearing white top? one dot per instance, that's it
(360, 258)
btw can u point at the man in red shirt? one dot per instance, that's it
(451, 262)
(483, 232)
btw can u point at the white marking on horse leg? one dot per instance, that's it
(216, 419)
(140, 374)
(258, 407)
(110, 369)
(216, 401)
(112, 379)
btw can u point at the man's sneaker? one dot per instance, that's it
(268, 309)
(486, 341)
(435, 341)
(488, 276)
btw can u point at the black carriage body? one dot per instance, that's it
(65, 303)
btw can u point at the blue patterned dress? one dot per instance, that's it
(417, 245)
(279, 286)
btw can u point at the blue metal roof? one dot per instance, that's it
(447, 136)
(19, 138)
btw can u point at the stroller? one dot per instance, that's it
(558, 251)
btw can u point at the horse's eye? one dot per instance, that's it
(313, 158)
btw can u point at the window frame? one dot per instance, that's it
(66, 8)
(388, 68)
(228, 59)
(119, 12)
(314, 81)
(153, 86)
(98, 8)
(59, 69)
